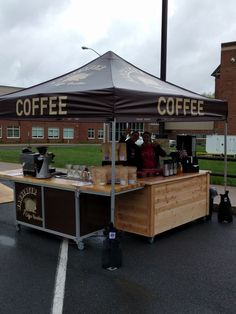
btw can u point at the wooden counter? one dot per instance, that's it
(77, 209)
(163, 204)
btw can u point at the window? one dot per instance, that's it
(68, 133)
(13, 131)
(37, 132)
(100, 134)
(53, 133)
(0, 131)
(137, 126)
(123, 126)
(91, 133)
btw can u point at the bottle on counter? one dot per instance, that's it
(179, 168)
(171, 168)
(166, 168)
(174, 168)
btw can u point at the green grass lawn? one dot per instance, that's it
(218, 166)
(92, 155)
(81, 155)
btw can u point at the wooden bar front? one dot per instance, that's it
(163, 204)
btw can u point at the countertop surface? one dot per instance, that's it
(161, 179)
(16, 175)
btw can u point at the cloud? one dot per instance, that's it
(194, 38)
(42, 39)
(17, 15)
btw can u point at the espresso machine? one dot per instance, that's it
(37, 164)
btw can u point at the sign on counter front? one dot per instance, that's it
(28, 204)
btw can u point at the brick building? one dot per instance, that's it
(225, 85)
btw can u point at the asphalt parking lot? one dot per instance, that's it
(188, 270)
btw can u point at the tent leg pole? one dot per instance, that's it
(111, 252)
(225, 155)
(113, 174)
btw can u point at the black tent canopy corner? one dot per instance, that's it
(110, 88)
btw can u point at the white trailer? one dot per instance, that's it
(215, 144)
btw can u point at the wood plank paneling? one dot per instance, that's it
(133, 211)
(163, 205)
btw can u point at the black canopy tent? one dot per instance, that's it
(106, 88)
(110, 89)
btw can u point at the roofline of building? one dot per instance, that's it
(8, 86)
(228, 44)
(216, 72)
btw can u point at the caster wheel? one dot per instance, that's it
(18, 228)
(151, 240)
(206, 218)
(80, 246)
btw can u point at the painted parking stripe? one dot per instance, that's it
(59, 289)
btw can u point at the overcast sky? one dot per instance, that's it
(42, 39)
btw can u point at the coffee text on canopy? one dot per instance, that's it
(40, 106)
(170, 106)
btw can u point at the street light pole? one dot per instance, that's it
(84, 48)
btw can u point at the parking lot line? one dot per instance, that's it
(59, 289)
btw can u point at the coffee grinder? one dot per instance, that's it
(43, 162)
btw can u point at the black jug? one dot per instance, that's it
(225, 213)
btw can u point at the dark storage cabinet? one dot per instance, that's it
(94, 212)
(68, 213)
(60, 210)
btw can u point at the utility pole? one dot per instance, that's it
(163, 54)
(164, 39)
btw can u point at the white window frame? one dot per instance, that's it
(13, 128)
(37, 130)
(67, 132)
(91, 133)
(55, 133)
(100, 134)
(122, 126)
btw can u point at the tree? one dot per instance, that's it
(209, 95)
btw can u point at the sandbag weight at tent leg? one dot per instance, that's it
(111, 252)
